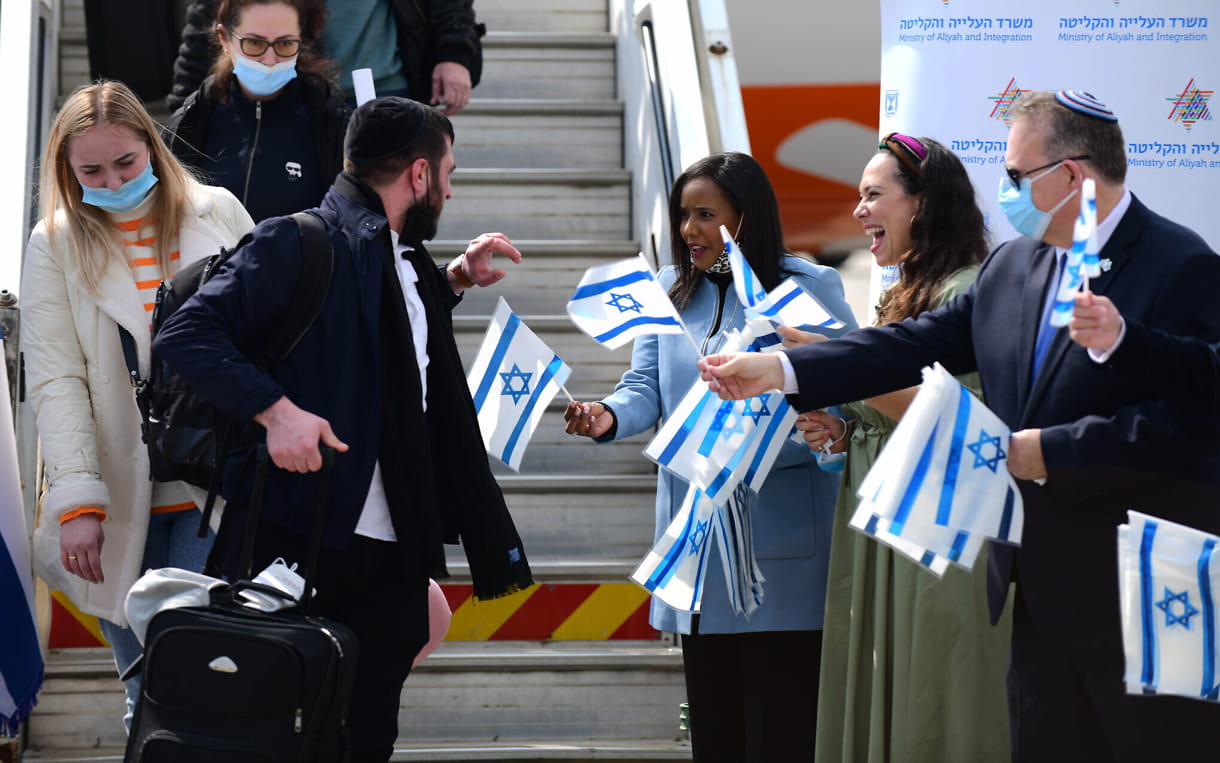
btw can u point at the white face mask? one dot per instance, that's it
(261, 79)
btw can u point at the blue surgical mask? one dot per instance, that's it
(124, 198)
(1017, 203)
(261, 79)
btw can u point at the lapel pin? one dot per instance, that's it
(1105, 265)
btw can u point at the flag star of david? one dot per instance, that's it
(1167, 606)
(697, 537)
(625, 303)
(516, 392)
(977, 449)
(748, 410)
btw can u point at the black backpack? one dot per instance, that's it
(187, 436)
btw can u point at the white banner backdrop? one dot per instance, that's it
(951, 68)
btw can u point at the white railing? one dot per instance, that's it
(681, 98)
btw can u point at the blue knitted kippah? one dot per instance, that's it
(1085, 103)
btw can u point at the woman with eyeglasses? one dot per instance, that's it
(911, 668)
(119, 214)
(268, 121)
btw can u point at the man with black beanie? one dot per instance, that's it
(377, 377)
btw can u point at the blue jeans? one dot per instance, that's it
(171, 542)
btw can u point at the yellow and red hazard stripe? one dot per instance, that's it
(542, 612)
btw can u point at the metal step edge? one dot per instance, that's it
(562, 570)
(577, 750)
(605, 751)
(585, 40)
(578, 483)
(543, 106)
(522, 175)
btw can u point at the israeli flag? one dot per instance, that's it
(790, 305)
(718, 444)
(941, 484)
(675, 569)
(750, 290)
(1082, 258)
(617, 302)
(513, 379)
(21, 667)
(735, 540)
(1168, 579)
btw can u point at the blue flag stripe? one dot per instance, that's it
(1148, 673)
(1010, 498)
(20, 654)
(1209, 689)
(684, 431)
(959, 545)
(643, 320)
(669, 565)
(497, 359)
(913, 488)
(722, 477)
(781, 410)
(717, 426)
(601, 287)
(540, 386)
(956, 442)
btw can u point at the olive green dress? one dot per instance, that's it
(912, 670)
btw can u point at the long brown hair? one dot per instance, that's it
(947, 231)
(745, 184)
(311, 16)
(84, 228)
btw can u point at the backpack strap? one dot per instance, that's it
(317, 266)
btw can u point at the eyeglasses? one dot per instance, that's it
(1015, 175)
(254, 47)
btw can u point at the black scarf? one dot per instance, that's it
(434, 467)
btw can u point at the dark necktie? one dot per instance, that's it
(1046, 332)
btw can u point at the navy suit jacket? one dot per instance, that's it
(1108, 447)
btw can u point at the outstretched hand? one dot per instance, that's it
(738, 375)
(588, 419)
(476, 262)
(794, 337)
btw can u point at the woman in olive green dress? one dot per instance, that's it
(911, 668)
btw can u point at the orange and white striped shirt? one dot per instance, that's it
(139, 244)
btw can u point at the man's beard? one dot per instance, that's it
(422, 219)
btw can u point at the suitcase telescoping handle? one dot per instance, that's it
(261, 463)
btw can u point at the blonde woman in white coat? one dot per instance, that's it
(119, 214)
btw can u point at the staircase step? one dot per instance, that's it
(540, 133)
(570, 16)
(539, 203)
(539, 65)
(559, 751)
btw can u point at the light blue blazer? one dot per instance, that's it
(793, 513)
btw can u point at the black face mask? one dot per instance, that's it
(423, 217)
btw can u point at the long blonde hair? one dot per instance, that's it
(85, 229)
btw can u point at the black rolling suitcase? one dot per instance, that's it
(229, 683)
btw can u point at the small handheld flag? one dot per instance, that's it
(750, 290)
(21, 666)
(513, 379)
(1168, 579)
(617, 302)
(1082, 261)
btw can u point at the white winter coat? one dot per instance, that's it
(87, 418)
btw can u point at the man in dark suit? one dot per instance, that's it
(1087, 443)
(377, 376)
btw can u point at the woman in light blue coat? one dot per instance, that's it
(751, 682)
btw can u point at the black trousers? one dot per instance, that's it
(1069, 703)
(364, 587)
(753, 696)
